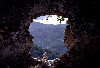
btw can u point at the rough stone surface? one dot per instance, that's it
(82, 36)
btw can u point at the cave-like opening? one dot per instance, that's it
(48, 32)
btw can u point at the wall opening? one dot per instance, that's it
(48, 32)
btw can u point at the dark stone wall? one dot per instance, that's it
(15, 40)
(81, 36)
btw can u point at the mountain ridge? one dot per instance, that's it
(48, 36)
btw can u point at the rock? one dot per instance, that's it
(82, 37)
(38, 66)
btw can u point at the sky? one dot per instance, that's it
(52, 19)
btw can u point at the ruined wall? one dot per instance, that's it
(15, 18)
(15, 41)
(81, 36)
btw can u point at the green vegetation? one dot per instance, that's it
(37, 51)
(60, 18)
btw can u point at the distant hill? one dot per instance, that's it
(37, 51)
(48, 36)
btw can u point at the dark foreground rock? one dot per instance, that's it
(82, 35)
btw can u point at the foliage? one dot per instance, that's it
(60, 18)
(37, 51)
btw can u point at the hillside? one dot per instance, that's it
(48, 36)
(37, 51)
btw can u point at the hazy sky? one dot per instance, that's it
(52, 19)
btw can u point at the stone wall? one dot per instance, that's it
(81, 36)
